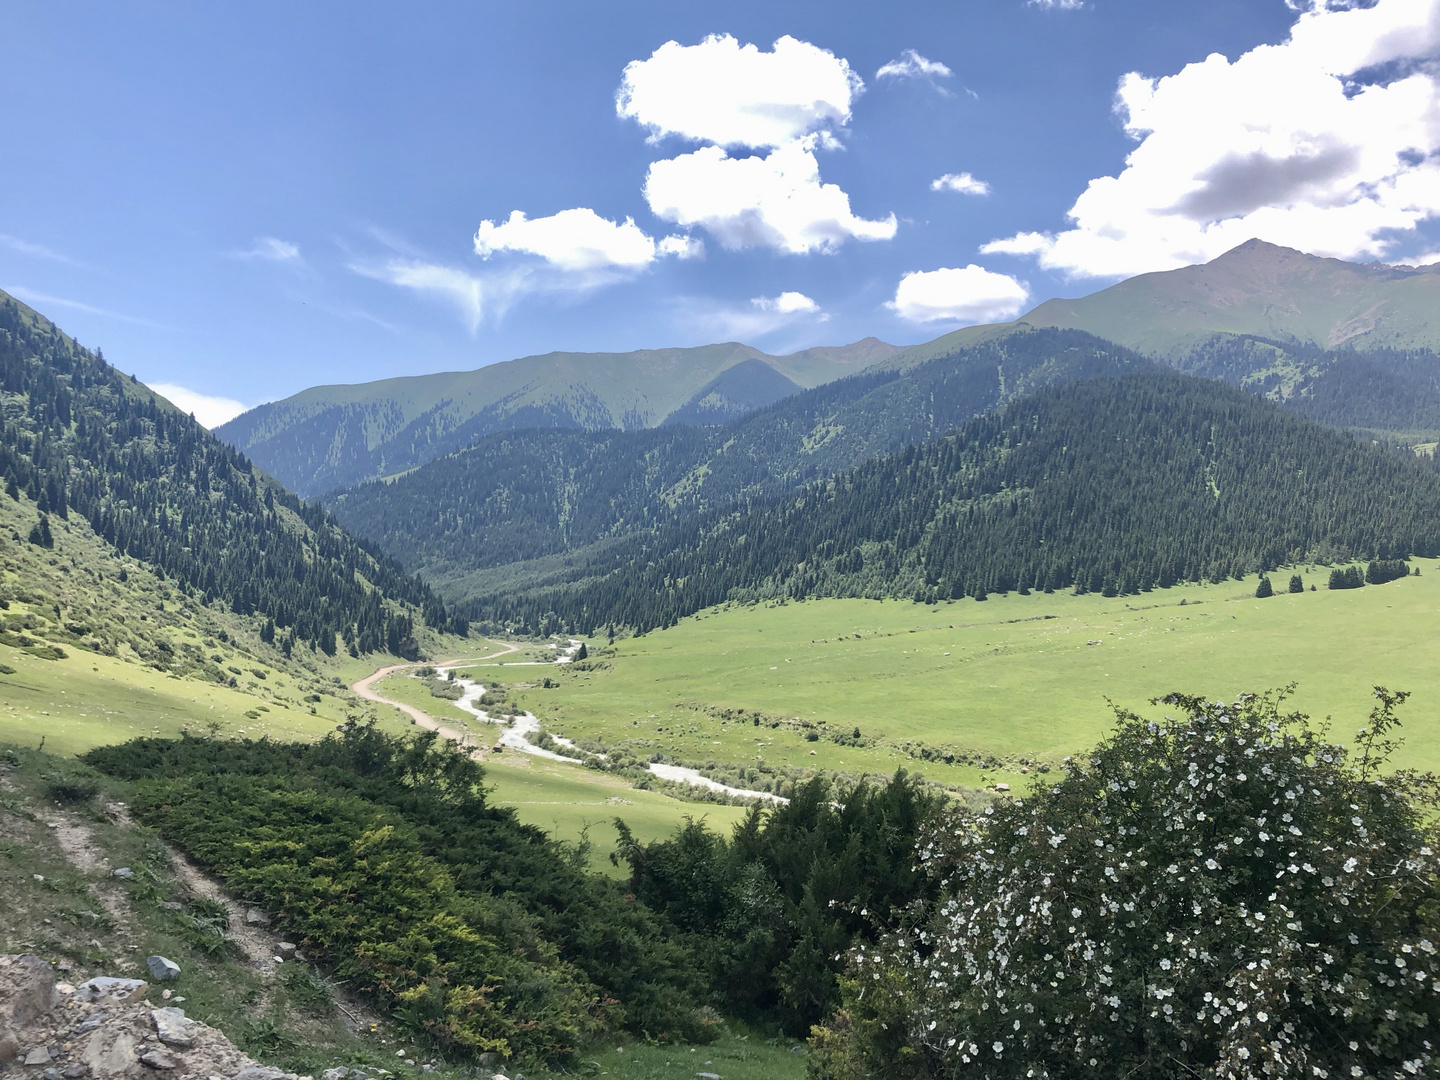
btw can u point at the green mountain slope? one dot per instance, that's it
(1107, 484)
(79, 438)
(333, 436)
(526, 495)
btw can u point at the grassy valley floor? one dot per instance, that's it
(1004, 687)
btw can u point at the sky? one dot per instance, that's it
(240, 201)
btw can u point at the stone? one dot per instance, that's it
(33, 992)
(39, 1056)
(708, 1076)
(259, 1072)
(172, 1027)
(1002, 787)
(158, 1059)
(74, 1071)
(123, 872)
(51, 1074)
(335, 1074)
(172, 905)
(162, 969)
(91, 1022)
(255, 917)
(285, 948)
(118, 1059)
(9, 1046)
(125, 991)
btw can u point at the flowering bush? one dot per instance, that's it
(1222, 895)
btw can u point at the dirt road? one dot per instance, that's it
(365, 689)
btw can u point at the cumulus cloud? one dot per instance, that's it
(576, 240)
(1328, 142)
(963, 183)
(787, 303)
(787, 103)
(970, 294)
(773, 201)
(269, 249)
(732, 95)
(209, 411)
(911, 65)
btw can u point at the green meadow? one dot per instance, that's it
(1012, 684)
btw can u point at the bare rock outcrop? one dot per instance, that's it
(104, 1029)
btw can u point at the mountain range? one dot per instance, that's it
(333, 436)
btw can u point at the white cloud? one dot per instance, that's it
(38, 251)
(1328, 142)
(773, 201)
(710, 321)
(682, 247)
(573, 240)
(972, 294)
(787, 303)
(1058, 5)
(40, 300)
(209, 411)
(270, 249)
(473, 296)
(911, 65)
(963, 183)
(732, 95)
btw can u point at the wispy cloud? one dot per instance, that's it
(208, 410)
(765, 315)
(963, 183)
(270, 249)
(39, 299)
(911, 65)
(1057, 5)
(38, 251)
(476, 297)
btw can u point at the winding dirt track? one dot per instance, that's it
(365, 689)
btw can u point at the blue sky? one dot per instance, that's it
(245, 200)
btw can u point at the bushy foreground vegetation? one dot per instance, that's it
(1224, 894)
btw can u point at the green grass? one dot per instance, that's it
(734, 1057)
(572, 804)
(1015, 677)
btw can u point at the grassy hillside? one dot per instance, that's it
(101, 649)
(334, 436)
(1112, 484)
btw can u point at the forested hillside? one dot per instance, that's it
(524, 495)
(79, 437)
(1112, 484)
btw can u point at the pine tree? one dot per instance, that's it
(1297, 583)
(1264, 589)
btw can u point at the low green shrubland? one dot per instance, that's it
(383, 857)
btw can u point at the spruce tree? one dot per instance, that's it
(1297, 583)
(1264, 589)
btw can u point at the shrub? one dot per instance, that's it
(69, 789)
(1220, 895)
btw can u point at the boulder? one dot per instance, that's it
(260, 1072)
(123, 872)
(162, 969)
(255, 917)
(29, 983)
(171, 1027)
(39, 1056)
(158, 1059)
